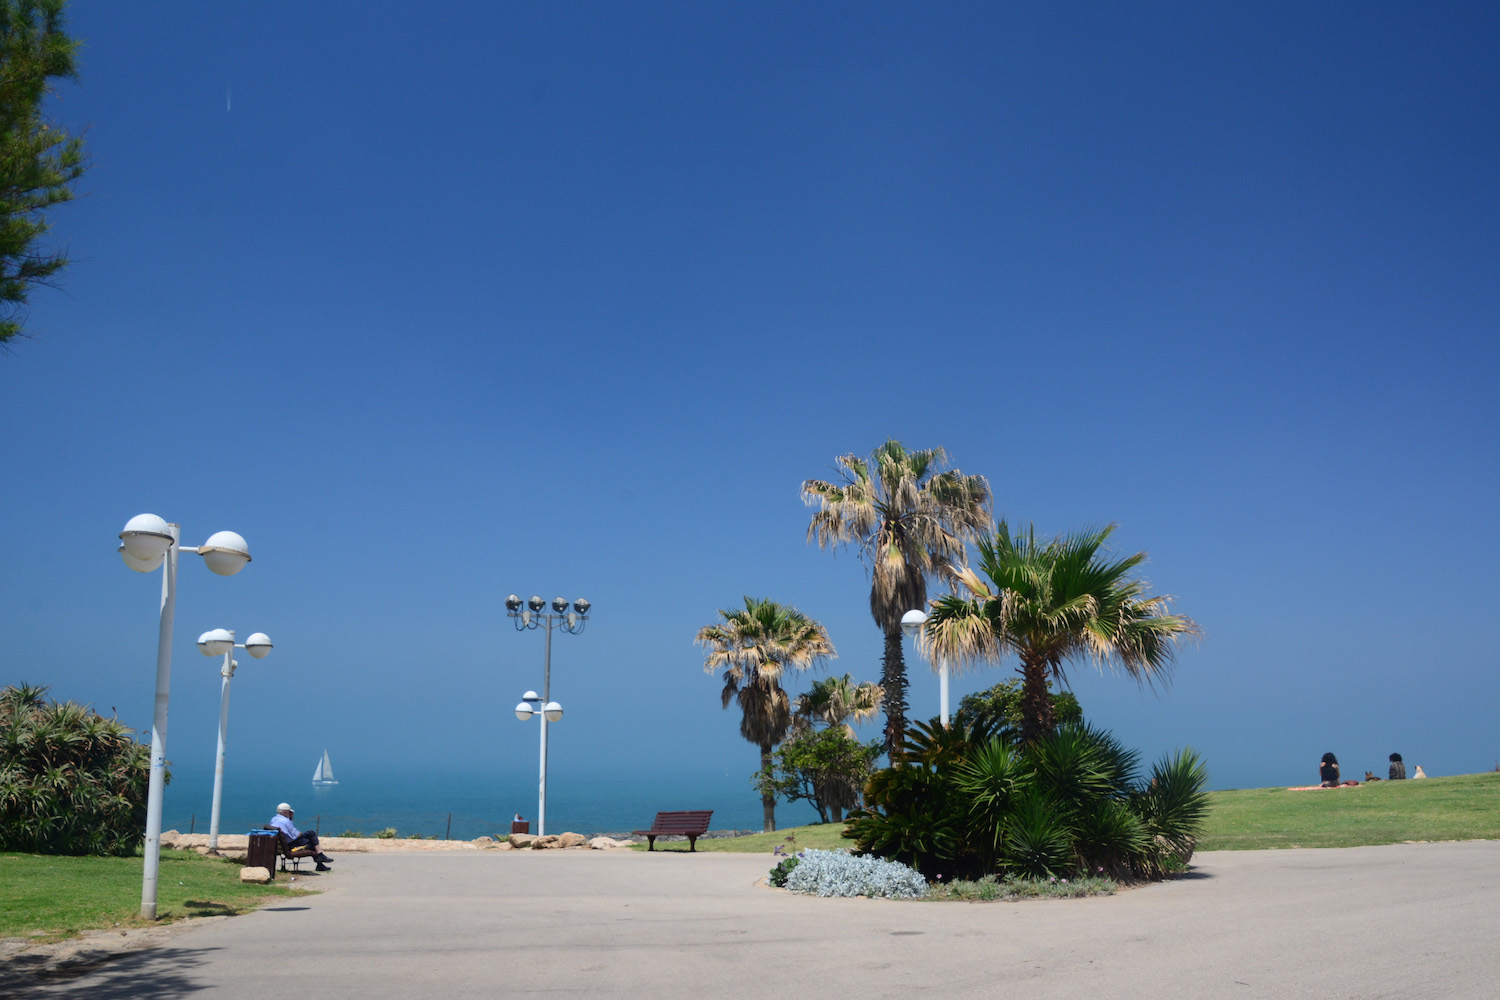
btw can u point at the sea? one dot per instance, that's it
(463, 804)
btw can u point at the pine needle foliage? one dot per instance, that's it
(38, 161)
(71, 781)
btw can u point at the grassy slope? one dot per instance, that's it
(54, 897)
(1463, 807)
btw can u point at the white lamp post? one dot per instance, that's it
(911, 624)
(213, 643)
(146, 543)
(534, 615)
(549, 711)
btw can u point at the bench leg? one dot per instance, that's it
(650, 841)
(692, 841)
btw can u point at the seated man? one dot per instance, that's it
(282, 821)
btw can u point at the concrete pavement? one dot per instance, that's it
(1409, 921)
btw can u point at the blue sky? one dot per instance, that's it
(569, 300)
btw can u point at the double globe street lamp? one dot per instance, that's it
(534, 614)
(214, 643)
(147, 542)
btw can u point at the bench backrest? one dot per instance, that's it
(687, 821)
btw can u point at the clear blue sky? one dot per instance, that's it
(432, 306)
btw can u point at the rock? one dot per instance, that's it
(573, 840)
(503, 845)
(258, 875)
(485, 841)
(545, 842)
(606, 843)
(520, 839)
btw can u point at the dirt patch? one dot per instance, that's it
(23, 959)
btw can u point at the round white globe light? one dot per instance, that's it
(144, 542)
(258, 645)
(911, 623)
(524, 712)
(553, 711)
(225, 552)
(216, 642)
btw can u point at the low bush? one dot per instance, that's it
(1012, 888)
(967, 804)
(71, 781)
(836, 873)
(782, 870)
(389, 833)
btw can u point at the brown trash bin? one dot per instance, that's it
(520, 826)
(262, 852)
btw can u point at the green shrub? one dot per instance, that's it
(351, 833)
(782, 870)
(966, 805)
(389, 833)
(71, 781)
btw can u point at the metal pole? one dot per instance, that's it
(541, 816)
(943, 688)
(152, 849)
(226, 672)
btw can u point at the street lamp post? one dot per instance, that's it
(212, 643)
(911, 624)
(146, 543)
(547, 711)
(534, 615)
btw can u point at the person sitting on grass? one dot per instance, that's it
(1328, 771)
(282, 821)
(1398, 768)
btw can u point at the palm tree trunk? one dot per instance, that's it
(1036, 700)
(893, 681)
(767, 799)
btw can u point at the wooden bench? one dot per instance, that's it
(691, 824)
(292, 854)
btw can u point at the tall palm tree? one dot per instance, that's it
(835, 700)
(1054, 601)
(754, 644)
(908, 517)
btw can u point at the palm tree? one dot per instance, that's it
(754, 645)
(835, 700)
(1051, 602)
(908, 518)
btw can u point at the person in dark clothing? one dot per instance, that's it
(1398, 767)
(1328, 771)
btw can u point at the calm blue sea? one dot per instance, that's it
(480, 802)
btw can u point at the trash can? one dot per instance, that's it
(520, 826)
(262, 853)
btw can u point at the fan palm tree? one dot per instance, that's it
(835, 700)
(908, 518)
(1051, 602)
(754, 645)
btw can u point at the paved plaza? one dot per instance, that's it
(1407, 921)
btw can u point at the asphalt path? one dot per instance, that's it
(1407, 921)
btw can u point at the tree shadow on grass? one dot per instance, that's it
(101, 974)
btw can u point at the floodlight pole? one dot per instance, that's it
(534, 615)
(209, 643)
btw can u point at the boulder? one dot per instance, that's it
(545, 842)
(605, 843)
(520, 839)
(573, 840)
(485, 841)
(258, 875)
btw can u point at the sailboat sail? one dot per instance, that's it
(324, 774)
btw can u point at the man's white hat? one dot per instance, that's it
(283, 807)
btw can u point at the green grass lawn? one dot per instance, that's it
(824, 836)
(49, 898)
(1463, 807)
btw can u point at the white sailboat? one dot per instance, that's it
(324, 774)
